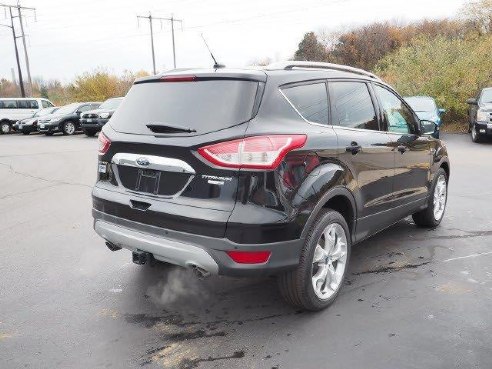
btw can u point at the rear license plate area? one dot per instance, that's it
(148, 181)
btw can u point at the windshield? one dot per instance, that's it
(486, 96)
(67, 109)
(198, 106)
(111, 104)
(422, 103)
(45, 112)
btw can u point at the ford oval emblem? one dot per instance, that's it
(143, 162)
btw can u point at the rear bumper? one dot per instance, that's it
(95, 124)
(186, 249)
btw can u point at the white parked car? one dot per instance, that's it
(14, 109)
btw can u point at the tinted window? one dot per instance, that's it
(85, 108)
(8, 104)
(111, 104)
(421, 104)
(203, 106)
(46, 104)
(310, 101)
(400, 119)
(352, 105)
(67, 109)
(27, 104)
(486, 96)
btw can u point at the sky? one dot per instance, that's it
(67, 38)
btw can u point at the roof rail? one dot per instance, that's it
(319, 65)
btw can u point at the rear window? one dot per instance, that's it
(200, 106)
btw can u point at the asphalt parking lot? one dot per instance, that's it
(414, 298)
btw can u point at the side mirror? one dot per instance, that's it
(442, 111)
(428, 127)
(472, 101)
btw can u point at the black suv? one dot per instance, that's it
(265, 172)
(92, 121)
(65, 119)
(480, 115)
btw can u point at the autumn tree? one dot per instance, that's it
(450, 70)
(479, 14)
(311, 49)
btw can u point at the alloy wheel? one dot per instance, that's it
(329, 261)
(69, 128)
(440, 197)
(5, 128)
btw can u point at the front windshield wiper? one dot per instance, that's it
(167, 128)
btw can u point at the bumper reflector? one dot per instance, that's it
(249, 257)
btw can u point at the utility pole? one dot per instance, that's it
(150, 18)
(19, 71)
(172, 35)
(19, 10)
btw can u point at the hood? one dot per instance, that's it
(428, 115)
(28, 120)
(51, 116)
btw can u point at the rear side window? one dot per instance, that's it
(198, 106)
(8, 104)
(27, 104)
(310, 101)
(352, 106)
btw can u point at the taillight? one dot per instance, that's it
(104, 144)
(258, 152)
(249, 257)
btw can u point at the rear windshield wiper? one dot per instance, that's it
(167, 128)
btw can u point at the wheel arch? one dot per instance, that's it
(445, 165)
(339, 199)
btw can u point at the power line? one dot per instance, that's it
(150, 18)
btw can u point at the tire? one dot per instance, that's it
(4, 127)
(429, 218)
(297, 286)
(68, 128)
(475, 136)
(90, 133)
(49, 133)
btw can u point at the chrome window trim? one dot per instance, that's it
(154, 162)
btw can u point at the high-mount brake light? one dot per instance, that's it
(257, 152)
(104, 144)
(178, 78)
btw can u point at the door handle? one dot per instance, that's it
(354, 148)
(402, 149)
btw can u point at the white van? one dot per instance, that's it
(14, 109)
